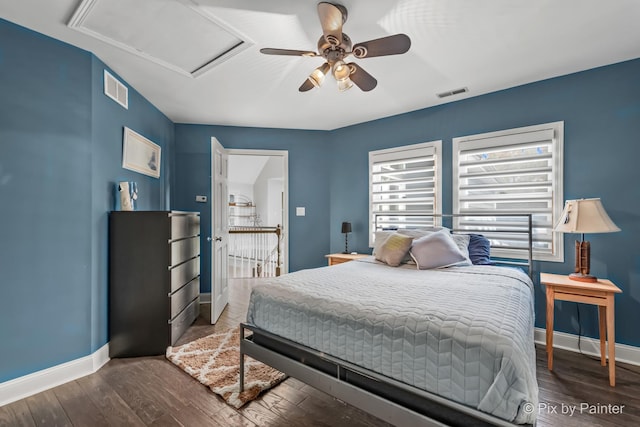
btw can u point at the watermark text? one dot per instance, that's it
(572, 409)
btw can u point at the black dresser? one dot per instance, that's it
(154, 279)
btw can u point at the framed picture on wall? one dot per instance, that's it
(140, 154)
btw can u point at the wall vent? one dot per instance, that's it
(115, 90)
(453, 92)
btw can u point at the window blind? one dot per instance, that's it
(404, 186)
(511, 172)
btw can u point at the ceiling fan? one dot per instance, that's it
(334, 46)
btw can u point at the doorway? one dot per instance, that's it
(272, 176)
(258, 213)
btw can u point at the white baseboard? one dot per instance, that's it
(28, 385)
(205, 298)
(591, 346)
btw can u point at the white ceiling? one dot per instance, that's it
(483, 45)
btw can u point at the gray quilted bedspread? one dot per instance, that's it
(464, 333)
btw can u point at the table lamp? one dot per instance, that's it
(346, 229)
(584, 216)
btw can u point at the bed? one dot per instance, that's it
(446, 346)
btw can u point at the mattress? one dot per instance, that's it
(464, 333)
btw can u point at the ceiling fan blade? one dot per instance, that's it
(391, 45)
(307, 85)
(361, 78)
(290, 52)
(331, 19)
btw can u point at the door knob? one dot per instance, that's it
(209, 238)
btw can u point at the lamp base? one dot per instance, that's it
(583, 277)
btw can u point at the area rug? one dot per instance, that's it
(215, 361)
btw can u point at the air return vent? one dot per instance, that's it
(453, 92)
(115, 90)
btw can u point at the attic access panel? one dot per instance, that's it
(176, 34)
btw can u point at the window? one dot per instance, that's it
(509, 172)
(404, 183)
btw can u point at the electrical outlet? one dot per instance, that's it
(201, 199)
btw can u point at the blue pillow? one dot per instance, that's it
(479, 250)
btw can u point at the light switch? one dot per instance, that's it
(300, 211)
(201, 199)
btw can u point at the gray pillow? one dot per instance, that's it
(462, 241)
(394, 249)
(437, 250)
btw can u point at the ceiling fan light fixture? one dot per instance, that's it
(317, 76)
(341, 70)
(345, 84)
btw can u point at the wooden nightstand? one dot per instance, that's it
(600, 293)
(340, 258)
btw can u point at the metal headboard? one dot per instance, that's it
(470, 230)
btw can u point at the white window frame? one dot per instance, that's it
(408, 152)
(514, 137)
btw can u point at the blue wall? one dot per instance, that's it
(60, 156)
(601, 112)
(309, 169)
(45, 188)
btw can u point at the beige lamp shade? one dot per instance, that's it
(585, 216)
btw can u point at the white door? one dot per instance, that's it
(219, 230)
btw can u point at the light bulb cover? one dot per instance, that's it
(345, 84)
(341, 70)
(317, 76)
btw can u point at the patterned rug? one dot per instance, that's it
(215, 361)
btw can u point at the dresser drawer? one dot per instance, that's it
(182, 250)
(184, 296)
(184, 273)
(184, 225)
(184, 319)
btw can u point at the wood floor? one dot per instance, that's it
(153, 392)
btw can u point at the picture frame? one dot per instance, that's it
(139, 154)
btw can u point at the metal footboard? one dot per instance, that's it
(388, 399)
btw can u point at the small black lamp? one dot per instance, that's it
(346, 229)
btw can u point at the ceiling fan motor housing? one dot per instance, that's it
(332, 52)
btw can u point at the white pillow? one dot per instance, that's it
(437, 250)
